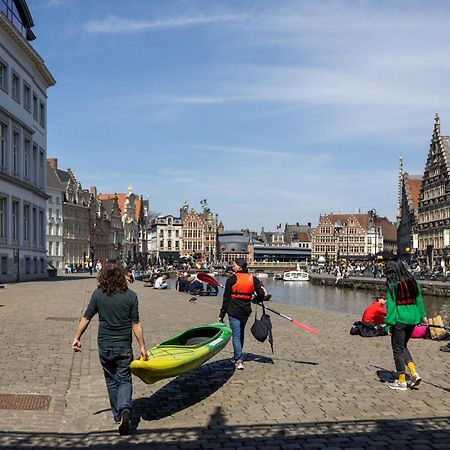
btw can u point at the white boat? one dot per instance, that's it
(261, 274)
(296, 275)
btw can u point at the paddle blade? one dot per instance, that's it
(305, 327)
(202, 276)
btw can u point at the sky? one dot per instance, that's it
(275, 111)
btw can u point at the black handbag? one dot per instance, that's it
(262, 328)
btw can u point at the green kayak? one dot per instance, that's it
(182, 352)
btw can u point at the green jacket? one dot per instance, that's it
(407, 314)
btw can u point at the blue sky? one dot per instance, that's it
(275, 111)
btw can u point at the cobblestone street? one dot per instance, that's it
(313, 392)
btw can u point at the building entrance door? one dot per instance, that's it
(16, 265)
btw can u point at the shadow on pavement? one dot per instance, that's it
(269, 360)
(427, 432)
(183, 392)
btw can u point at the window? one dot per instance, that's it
(50, 213)
(3, 218)
(35, 165)
(15, 220)
(41, 228)
(4, 265)
(35, 106)
(15, 153)
(26, 159)
(41, 170)
(57, 249)
(3, 149)
(26, 222)
(50, 248)
(35, 227)
(3, 75)
(27, 96)
(15, 86)
(35, 265)
(27, 264)
(42, 114)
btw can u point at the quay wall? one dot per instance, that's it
(437, 288)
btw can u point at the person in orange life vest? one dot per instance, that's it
(237, 298)
(376, 311)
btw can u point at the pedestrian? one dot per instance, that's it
(118, 310)
(237, 298)
(405, 310)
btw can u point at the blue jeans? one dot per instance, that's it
(237, 325)
(116, 368)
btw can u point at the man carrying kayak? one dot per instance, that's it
(237, 298)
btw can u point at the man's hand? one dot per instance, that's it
(143, 351)
(220, 319)
(76, 345)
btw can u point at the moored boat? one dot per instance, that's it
(182, 352)
(296, 275)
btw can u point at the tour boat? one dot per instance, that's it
(296, 275)
(182, 352)
(261, 275)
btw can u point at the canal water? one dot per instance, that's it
(346, 301)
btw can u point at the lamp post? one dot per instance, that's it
(338, 225)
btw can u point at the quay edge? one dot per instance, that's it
(435, 288)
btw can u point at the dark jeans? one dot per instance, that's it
(116, 368)
(237, 325)
(400, 335)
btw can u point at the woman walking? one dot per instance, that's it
(404, 310)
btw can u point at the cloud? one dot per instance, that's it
(113, 24)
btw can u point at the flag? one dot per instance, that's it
(278, 226)
(203, 202)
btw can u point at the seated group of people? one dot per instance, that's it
(192, 285)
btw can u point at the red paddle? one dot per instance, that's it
(202, 276)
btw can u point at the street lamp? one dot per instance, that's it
(338, 225)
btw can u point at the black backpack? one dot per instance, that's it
(262, 328)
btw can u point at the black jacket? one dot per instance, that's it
(236, 307)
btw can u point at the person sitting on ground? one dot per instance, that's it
(376, 311)
(160, 282)
(196, 287)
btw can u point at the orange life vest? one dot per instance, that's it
(244, 286)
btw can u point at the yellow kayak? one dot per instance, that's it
(182, 352)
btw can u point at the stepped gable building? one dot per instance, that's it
(76, 217)
(199, 233)
(352, 236)
(99, 229)
(130, 205)
(433, 224)
(55, 219)
(116, 234)
(407, 216)
(24, 80)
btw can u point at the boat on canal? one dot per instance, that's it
(296, 275)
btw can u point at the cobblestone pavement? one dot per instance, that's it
(326, 391)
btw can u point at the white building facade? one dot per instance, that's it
(165, 239)
(24, 80)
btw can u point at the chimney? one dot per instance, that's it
(53, 163)
(93, 191)
(309, 224)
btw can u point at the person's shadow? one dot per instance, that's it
(183, 391)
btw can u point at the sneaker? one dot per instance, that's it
(398, 386)
(125, 422)
(239, 365)
(415, 380)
